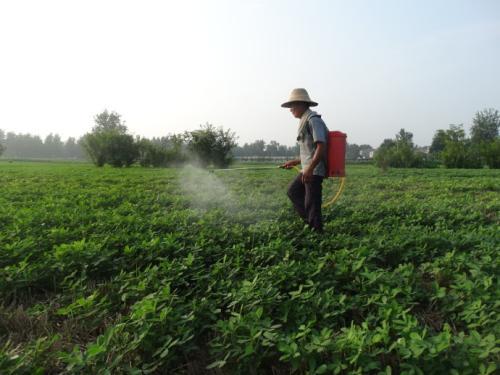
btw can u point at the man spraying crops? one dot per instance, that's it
(305, 191)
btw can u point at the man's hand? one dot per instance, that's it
(307, 175)
(290, 164)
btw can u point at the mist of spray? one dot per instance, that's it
(204, 189)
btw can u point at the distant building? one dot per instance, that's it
(366, 153)
(424, 149)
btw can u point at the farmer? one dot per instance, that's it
(305, 191)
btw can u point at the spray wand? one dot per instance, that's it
(335, 162)
(327, 204)
(243, 169)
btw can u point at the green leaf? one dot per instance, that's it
(321, 369)
(94, 350)
(216, 364)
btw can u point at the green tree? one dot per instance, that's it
(400, 153)
(109, 142)
(162, 151)
(384, 154)
(438, 142)
(23, 146)
(405, 154)
(150, 154)
(272, 148)
(72, 149)
(485, 126)
(491, 153)
(256, 148)
(53, 146)
(154, 154)
(122, 150)
(352, 151)
(210, 145)
(109, 122)
(484, 136)
(458, 151)
(2, 142)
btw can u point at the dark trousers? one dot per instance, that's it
(306, 199)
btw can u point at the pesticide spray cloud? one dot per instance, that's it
(205, 190)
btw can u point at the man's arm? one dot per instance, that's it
(290, 164)
(318, 155)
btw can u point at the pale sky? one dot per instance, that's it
(168, 66)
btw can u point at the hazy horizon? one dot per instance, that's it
(167, 67)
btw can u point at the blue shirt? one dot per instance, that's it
(312, 129)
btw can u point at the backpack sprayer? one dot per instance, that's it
(335, 162)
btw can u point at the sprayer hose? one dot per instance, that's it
(324, 205)
(341, 188)
(336, 196)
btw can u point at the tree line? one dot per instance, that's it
(261, 149)
(17, 146)
(451, 147)
(110, 143)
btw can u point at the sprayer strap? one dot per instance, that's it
(308, 124)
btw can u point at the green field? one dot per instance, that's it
(186, 271)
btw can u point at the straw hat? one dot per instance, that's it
(299, 95)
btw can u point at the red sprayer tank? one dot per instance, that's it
(336, 154)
